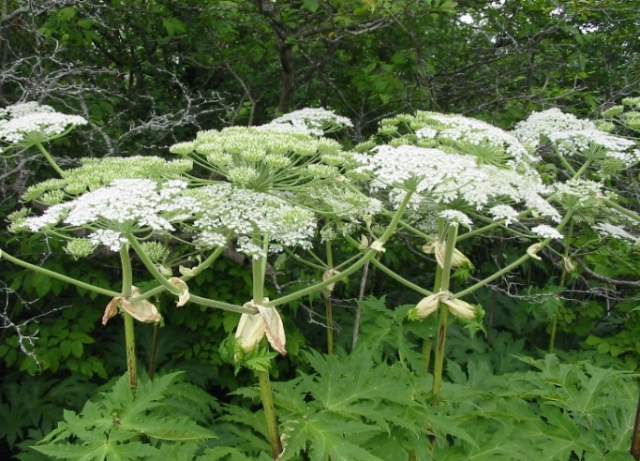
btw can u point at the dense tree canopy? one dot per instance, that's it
(141, 69)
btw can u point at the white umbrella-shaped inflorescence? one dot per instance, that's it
(26, 124)
(573, 136)
(459, 134)
(124, 206)
(439, 178)
(249, 214)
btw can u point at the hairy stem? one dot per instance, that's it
(363, 286)
(129, 332)
(328, 305)
(259, 269)
(443, 285)
(563, 278)
(270, 413)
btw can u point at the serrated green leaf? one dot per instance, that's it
(174, 429)
(327, 436)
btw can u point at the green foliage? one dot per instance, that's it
(352, 407)
(122, 423)
(37, 402)
(366, 59)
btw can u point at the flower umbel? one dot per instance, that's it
(30, 123)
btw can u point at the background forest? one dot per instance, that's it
(544, 369)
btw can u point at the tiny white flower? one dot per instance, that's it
(616, 232)
(30, 123)
(455, 218)
(545, 231)
(572, 136)
(309, 121)
(504, 212)
(223, 208)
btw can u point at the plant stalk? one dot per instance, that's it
(50, 159)
(635, 437)
(129, 328)
(266, 394)
(370, 253)
(56, 275)
(442, 284)
(328, 305)
(259, 269)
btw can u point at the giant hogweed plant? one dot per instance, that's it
(270, 190)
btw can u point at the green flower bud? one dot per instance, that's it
(243, 175)
(52, 197)
(79, 248)
(182, 148)
(613, 111)
(156, 251)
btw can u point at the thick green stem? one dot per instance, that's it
(270, 413)
(635, 436)
(564, 162)
(622, 210)
(443, 285)
(399, 278)
(391, 273)
(129, 332)
(151, 267)
(583, 168)
(563, 278)
(220, 305)
(130, 345)
(259, 268)
(495, 275)
(58, 276)
(165, 285)
(328, 305)
(52, 162)
(438, 365)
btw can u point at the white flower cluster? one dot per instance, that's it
(25, 108)
(545, 231)
(439, 177)
(30, 123)
(572, 136)
(348, 204)
(124, 205)
(309, 121)
(458, 128)
(504, 212)
(616, 232)
(249, 213)
(578, 193)
(455, 218)
(96, 173)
